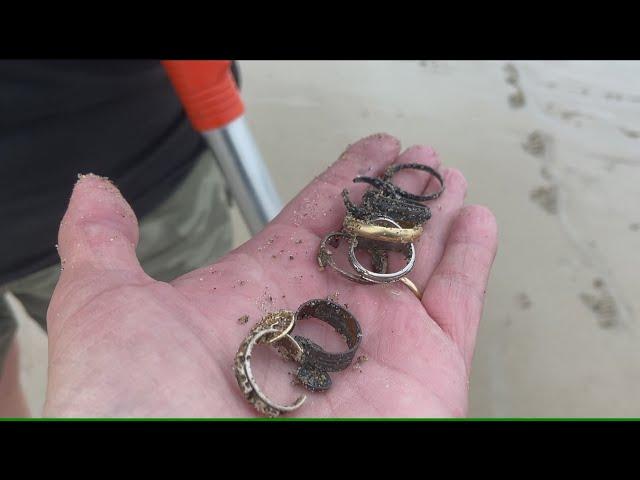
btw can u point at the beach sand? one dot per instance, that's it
(553, 148)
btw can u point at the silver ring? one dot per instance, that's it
(247, 382)
(374, 277)
(325, 257)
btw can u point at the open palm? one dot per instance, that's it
(124, 344)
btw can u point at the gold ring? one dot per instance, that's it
(412, 287)
(282, 320)
(360, 228)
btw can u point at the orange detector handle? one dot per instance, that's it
(210, 96)
(207, 91)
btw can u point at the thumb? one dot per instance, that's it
(99, 231)
(97, 244)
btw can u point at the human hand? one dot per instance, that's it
(123, 344)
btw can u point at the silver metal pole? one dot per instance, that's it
(246, 173)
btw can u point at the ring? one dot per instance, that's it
(376, 204)
(393, 169)
(364, 229)
(314, 361)
(247, 382)
(325, 258)
(412, 287)
(282, 320)
(375, 277)
(342, 321)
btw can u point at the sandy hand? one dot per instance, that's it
(124, 344)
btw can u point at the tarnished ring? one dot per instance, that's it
(244, 375)
(343, 321)
(395, 168)
(375, 277)
(315, 363)
(375, 203)
(361, 228)
(389, 200)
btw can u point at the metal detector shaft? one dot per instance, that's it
(246, 173)
(210, 96)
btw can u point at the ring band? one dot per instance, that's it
(282, 320)
(325, 258)
(314, 362)
(342, 321)
(375, 277)
(364, 229)
(393, 169)
(247, 382)
(412, 287)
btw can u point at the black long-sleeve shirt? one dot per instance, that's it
(119, 119)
